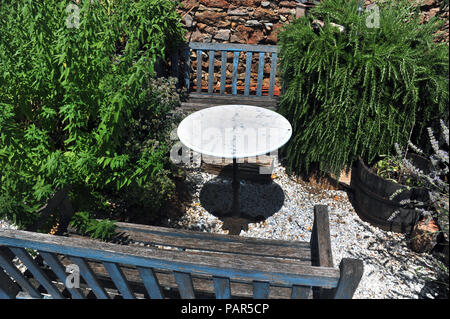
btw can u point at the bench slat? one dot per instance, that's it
(251, 98)
(261, 290)
(273, 73)
(211, 72)
(301, 292)
(235, 72)
(259, 84)
(8, 288)
(60, 272)
(185, 285)
(232, 47)
(222, 287)
(119, 280)
(40, 276)
(151, 282)
(9, 267)
(279, 272)
(216, 242)
(223, 72)
(187, 68)
(205, 284)
(89, 276)
(198, 101)
(248, 70)
(199, 71)
(203, 104)
(202, 284)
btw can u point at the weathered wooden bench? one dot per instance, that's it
(220, 58)
(226, 56)
(157, 262)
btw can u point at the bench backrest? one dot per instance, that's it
(186, 262)
(220, 269)
(252, 53)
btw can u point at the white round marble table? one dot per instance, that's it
(234, 131)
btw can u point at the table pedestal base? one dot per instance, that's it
(235, 210)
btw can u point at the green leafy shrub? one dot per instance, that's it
(358, 92)
(86, 225)
(80, 105)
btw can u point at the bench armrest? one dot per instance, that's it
(320, 238)
(351, 270)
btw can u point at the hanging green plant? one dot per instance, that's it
(356, 90)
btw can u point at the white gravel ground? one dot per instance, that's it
(391, 269)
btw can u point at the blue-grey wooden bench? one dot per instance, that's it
(199, 97)
(219, 57)
(158, 262)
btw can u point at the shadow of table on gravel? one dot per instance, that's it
(258, 202)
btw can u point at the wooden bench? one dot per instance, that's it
(157, 262)
(221, 55)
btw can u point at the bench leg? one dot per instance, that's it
(351, 273)
(351, 269)
(236, 185)
(321, 247)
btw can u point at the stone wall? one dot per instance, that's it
(433, 8)
(259, 21)
(237, 21)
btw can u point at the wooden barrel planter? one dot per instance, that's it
(372, 198)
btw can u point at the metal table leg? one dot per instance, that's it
(236, 185)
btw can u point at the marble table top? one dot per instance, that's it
(234, 131)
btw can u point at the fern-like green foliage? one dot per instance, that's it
(85, 224)
(358, 92)
(79, 102)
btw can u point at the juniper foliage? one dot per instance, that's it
(357, 92)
